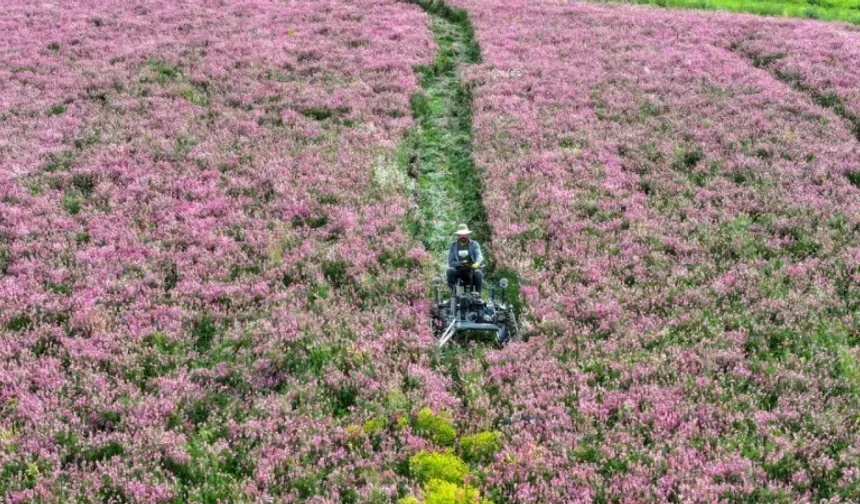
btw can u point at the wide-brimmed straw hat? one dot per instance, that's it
(462, 229)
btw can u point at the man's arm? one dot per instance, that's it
(453, 262)
(479, 258)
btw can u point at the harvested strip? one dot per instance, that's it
(449, 188)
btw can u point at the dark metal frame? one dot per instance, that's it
(466, 311)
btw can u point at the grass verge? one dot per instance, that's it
(834, 10)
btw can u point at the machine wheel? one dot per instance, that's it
(510, 331)
(439, 327)
(513, 328)
(434, 321)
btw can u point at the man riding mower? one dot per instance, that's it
(465, 311)
(464, 260)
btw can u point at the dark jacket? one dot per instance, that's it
(475, 255)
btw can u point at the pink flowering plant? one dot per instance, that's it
(213, 286)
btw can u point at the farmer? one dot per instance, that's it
(465, 259)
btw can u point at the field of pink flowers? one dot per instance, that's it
(683, 207)
(207, 293)
(201, 252)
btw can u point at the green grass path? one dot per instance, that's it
(449, 186)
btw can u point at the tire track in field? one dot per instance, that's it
(828, 100)
(824, 99)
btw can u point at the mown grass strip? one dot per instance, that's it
(449, 185)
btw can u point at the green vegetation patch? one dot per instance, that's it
(427, 466)
(58, 109)
(444, 479)
(480, 447)
(59, 161)
(830, 10)
(437, 428)
(19, 322)
(443, 492)
(163, 71)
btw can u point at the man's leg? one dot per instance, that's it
(479, 280)
(452, 277)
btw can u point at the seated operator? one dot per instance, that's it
(464, 259)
